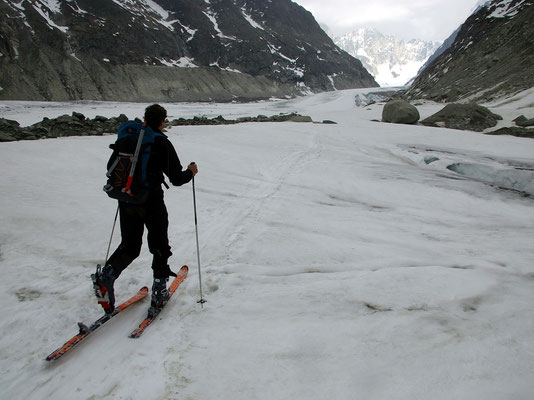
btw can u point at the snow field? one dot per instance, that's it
(336, 263)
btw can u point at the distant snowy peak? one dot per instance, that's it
(392, 61)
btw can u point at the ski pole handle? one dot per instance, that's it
(194, 170)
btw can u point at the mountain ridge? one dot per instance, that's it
(143, 49)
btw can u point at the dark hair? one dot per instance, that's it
(155, 115)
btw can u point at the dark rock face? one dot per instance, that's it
(470, 117)
(9, 130)
(513, 131)
(400, 112)
(524, 121)
(492, 56)
(167, 50)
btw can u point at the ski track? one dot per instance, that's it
(271, 183)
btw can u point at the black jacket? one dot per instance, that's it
(164, 161)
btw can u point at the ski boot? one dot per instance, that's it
(160, 296)
(103, 280)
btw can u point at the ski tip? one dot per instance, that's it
(56, 355)
(144, 289)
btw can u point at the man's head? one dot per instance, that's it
(155, 115)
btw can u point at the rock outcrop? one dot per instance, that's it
(513, 131)
(524, 121)
(77, 125)
(62, 126)
(470, 117)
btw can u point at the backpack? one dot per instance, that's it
(127, 166)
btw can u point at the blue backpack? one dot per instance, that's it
(127, 166)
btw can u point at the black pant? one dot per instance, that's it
(133, 219)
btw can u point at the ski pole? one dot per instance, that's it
(111, 238)
(201, 301)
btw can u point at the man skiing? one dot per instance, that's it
(152, 214)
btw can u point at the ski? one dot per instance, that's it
(153, 315)
(87, 330)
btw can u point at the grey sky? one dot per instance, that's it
(407, 19)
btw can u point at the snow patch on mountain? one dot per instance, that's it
(250, 20)
(148, 8)
(212, 16)
(158, 9)
(183, 62)
(76, 8)
(392, 61)
(53, 6)
(506, 8)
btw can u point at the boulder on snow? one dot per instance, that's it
(513, 131)
(9, 130)
(519, 120)
(524, 121)
(301, 118)
(471, 117)
(78, 115)
(400, 112)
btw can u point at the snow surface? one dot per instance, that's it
(339, 261)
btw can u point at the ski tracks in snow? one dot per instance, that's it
(235, 207)
(239, 219)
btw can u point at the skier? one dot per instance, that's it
(152, 214)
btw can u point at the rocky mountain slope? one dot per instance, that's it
(392, 61)
(167, 50)
(491, 56)
(445, 45)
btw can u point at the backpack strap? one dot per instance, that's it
(110, 170)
